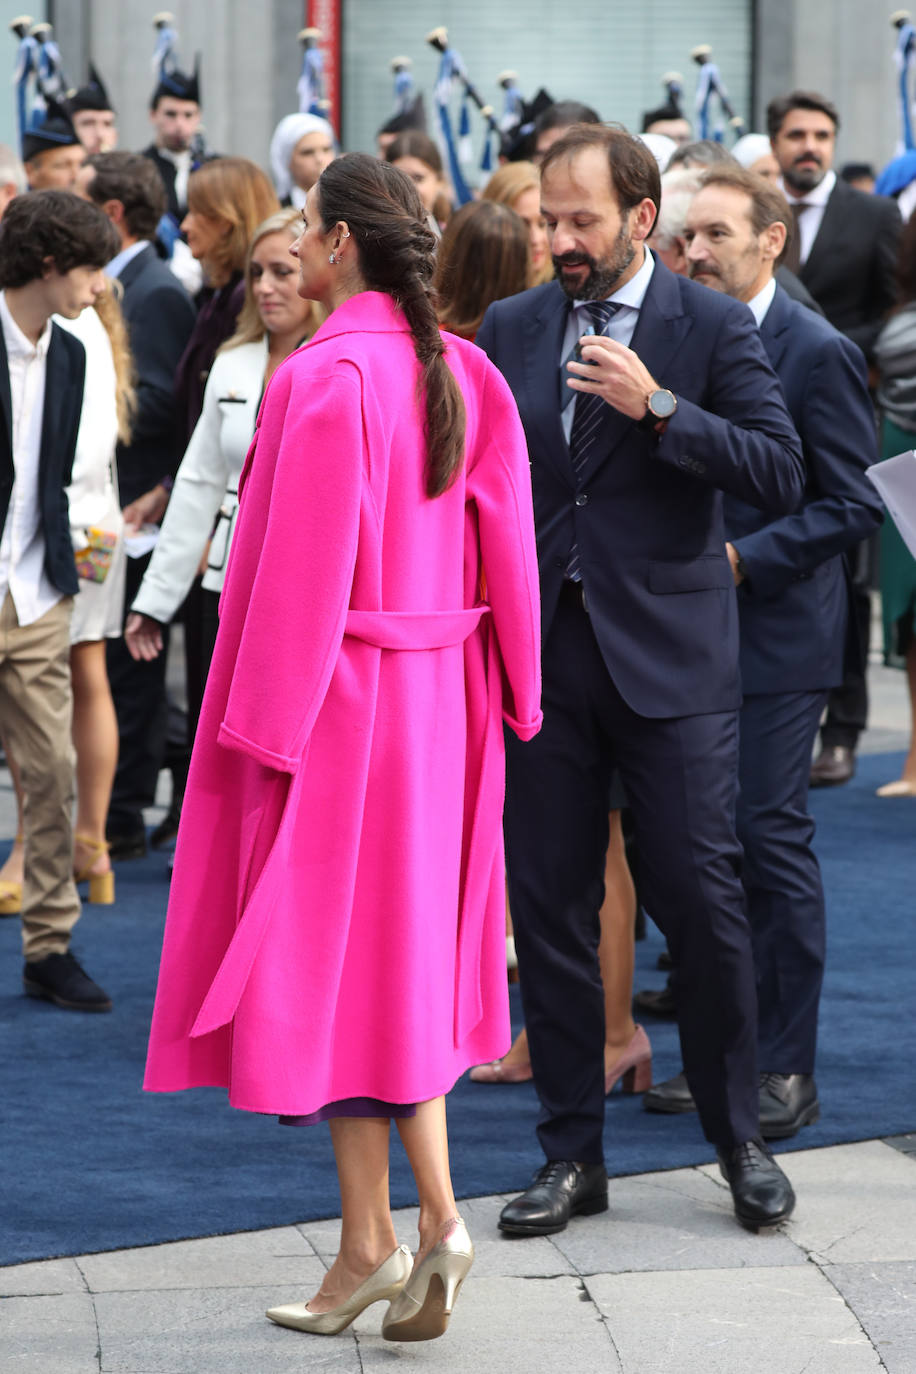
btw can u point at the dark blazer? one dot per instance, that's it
(168, 172)
(851, 270)
(160, 316)
(647, 514)
(66, 371)
(794, 607)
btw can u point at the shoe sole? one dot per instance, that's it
(586, 1209)
(784, 1131)
(667, 1108)
(44, 995)
(755, 1223)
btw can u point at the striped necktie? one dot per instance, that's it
(586, 425)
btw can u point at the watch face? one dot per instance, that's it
(662, 404)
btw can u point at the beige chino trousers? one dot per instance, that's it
(36, 709)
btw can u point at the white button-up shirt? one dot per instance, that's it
(809, 221)
(22, 545)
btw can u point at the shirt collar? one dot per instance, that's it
(179, 159)
(760, 304)
(819, 196)
(632, 293)
(126, 255)
(17, 345)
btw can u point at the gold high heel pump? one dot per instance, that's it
(382, 1285)
(101, 885)
(424, 1305)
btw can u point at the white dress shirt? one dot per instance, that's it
(22, 544)
(760, 304)
(809, 221)
(622, 327)
(126, 255)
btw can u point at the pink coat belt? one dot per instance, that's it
(412, 630)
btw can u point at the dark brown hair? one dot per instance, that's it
(134, 181)
(52, 224)
(414, 143)
(235, 192)
(634, 171)
(768, 204)
(383, 212)
(483, 257)
(798, 100)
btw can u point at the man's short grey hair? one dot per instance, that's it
(679, 186)
(12, 171)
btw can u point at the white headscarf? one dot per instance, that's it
(751, 148)
(660, 146)
(283, 144)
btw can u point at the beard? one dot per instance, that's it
(804, 179)
(603, 273)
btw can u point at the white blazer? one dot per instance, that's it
(206, 485)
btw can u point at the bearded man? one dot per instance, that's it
(644, 397)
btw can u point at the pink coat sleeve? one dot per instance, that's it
(500, 482)
(289, 584)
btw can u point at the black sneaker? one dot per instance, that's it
(59, 979)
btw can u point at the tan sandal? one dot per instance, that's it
(11, 889)
(101, 885)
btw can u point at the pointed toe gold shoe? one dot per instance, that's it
(381, 1286)
(421, 1310)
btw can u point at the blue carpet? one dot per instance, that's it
(92, 1163)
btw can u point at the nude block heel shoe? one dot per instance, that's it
(381, 1286)
(422, 1309)
(101, 885)
(634, 1066)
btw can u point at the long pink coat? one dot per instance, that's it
(336, 920)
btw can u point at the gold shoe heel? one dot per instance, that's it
(10, 897)
(101, 889)
(421, 1311)
(383, 1285)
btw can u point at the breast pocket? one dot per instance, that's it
(708, 573)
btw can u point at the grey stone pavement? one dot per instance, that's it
(666, 1282)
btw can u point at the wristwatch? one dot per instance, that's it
(660, 406)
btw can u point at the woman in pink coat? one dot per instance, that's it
(334, 945)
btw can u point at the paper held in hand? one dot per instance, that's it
(895, 479)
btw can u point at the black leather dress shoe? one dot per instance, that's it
(58, 978)
(788, 1101)
(672, 1096)
(660, 1002)
(834, 765)
(762, 1194)
(130, 845)
(558, 1191)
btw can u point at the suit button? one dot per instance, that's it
(582, 499)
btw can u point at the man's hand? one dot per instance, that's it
(148, 509)
(143, 637)
(733, 557)
(614, 372)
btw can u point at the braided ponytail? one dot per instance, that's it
(397, 255)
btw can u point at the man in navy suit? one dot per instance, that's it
(794, 612)
(672, 403)
(53, 247)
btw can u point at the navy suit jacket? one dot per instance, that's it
(794, 607)
(159, 315)
(647, 513)
(64, 377)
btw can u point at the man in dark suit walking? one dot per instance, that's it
(793, 606)
(52, 250)
(844, 249)
(672, 403)
(160, 316)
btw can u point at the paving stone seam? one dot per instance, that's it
(605, 1323)
(823, 1269)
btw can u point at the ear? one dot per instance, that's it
(642, 220)
(48, 266)
(114, 209)
(341, 233)
(773, 241)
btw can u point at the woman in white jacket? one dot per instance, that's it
(201, 513)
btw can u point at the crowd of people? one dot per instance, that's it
(584, 457)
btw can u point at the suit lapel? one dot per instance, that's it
(57, 412)
(660, 331)
(832, 226)
(774, 332)
(542, 342)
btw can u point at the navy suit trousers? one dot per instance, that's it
(782, 879)
(680, 775)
